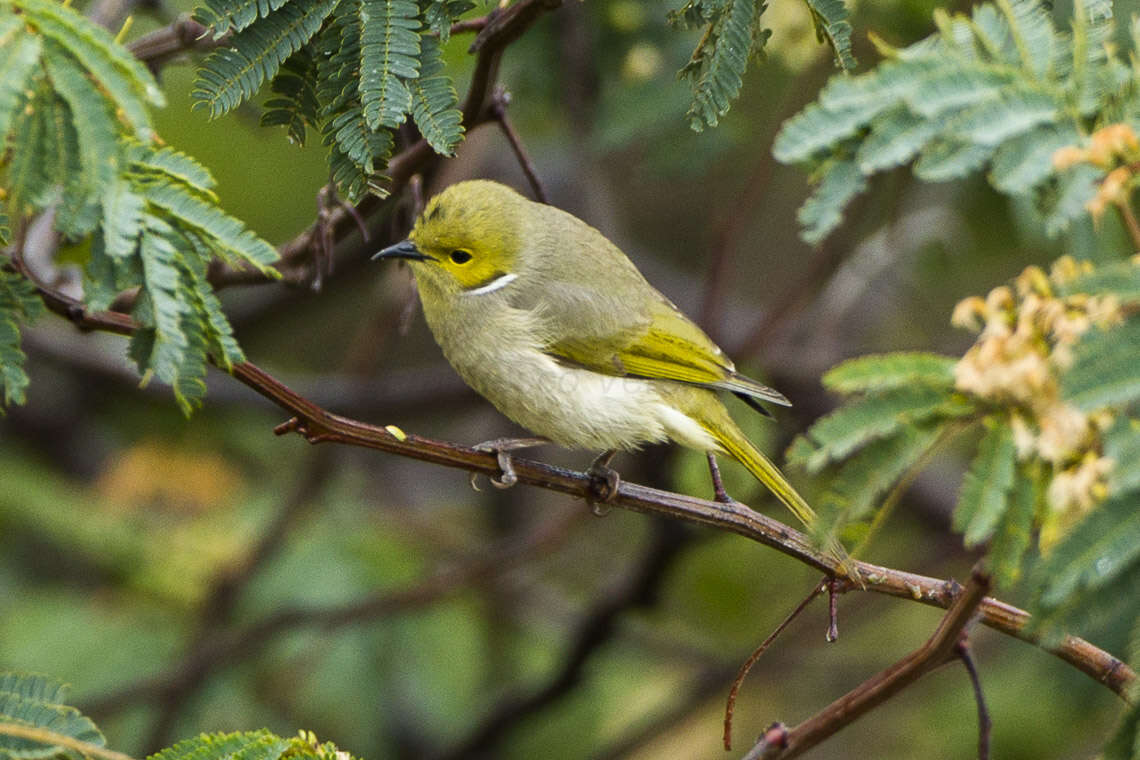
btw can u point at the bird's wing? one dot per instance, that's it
(658, 342)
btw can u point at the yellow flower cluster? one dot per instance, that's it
(1027, 335)
(1109, 146)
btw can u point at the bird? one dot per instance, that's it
(554, 325)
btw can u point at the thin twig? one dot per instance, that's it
(879, 688)
(734, 691)
(984, 723)
(51, 738)
(498, 110)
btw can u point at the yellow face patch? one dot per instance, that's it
(468, 241)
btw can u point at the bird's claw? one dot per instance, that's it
(501, 447)
(604, 484)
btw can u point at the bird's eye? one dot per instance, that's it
(460, 256)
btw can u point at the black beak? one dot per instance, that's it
(405, 249)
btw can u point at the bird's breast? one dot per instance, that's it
(499, 352)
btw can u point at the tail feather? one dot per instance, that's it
(737, 445)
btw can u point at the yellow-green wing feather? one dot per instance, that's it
(670, 347)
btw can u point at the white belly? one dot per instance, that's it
(574, 407)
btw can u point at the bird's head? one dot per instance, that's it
(467, 240)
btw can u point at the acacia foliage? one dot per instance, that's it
(39, 702)
(1001, 89)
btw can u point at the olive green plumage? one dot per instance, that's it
(553, 324)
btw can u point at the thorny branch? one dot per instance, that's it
(318, 425)
(780, 743)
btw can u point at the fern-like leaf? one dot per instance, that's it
(883, 371)
(1002, 88)
(223, 16)
(231, 238)
(1105, 370)
(19, 304)
(39, 702)
(294, 104)
(19, 54)
(389, 60)
(440, 14)
(876, 416)
(434, 102)
(984, 498)
(1013, 532)
(128, 82)
(717, 66)
(232, 74)
(832, 27)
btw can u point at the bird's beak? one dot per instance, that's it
(405, 249)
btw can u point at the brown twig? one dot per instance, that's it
(319, 425)
(789, 743)
(984, 723)
(734, 691)
(162, 45)
(498, 110)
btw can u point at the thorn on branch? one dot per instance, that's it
(834, 589)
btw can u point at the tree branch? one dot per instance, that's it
(319, 426)
(781, 744)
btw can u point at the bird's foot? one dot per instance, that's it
(719, 493)
(604, 483)
(501, 447)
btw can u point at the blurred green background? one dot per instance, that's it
(204, 575)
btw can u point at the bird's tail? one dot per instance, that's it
(737, 445)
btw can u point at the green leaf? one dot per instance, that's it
(877, 416)
(1026, 161)
(161, 283)
(1076, 187)
(944, 160)
(231, 75)
(222, 747)
(1106, 368)
(1122, 446)
(19, 54)
(27, 182)
(875, 468)
(823, 211)
(883, 371)
(1014, 532)
(895, 139)
(125, 79)
(233, 240)
(294, 104)
(1121, 279)
(831, 25)
(37, 701)
(440, 14)
(984, 498)
(1014, 113)
(233, 15)
(19, 304)
(1100, 549)
(389, 60)
(172, 164)
(434, 102)
(122, 219)
(717, 65)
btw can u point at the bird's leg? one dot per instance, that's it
(721, 495)
(500, 448)
(604, 482)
